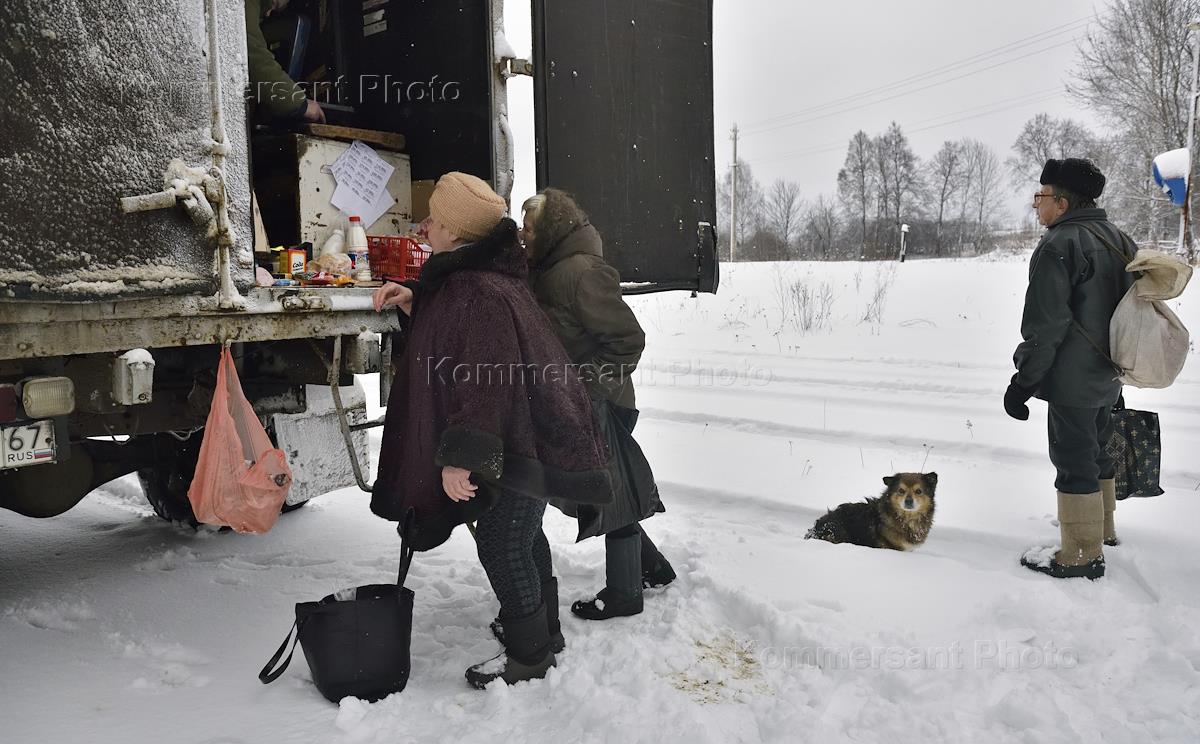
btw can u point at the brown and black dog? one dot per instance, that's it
(898, 519)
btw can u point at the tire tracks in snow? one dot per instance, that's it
(856, 376)
(963, 451)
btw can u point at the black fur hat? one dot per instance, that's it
(1074, 174)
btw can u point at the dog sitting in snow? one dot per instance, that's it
(898, 519)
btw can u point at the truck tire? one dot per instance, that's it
(166, 484)
(166, 499)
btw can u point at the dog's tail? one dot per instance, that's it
(827, 528)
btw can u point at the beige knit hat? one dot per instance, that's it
(466, 205)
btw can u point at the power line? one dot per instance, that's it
(910, 92)
(833, 147)
(1014, 102)
(938, 71)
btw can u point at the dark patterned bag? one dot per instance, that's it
(1136, 448)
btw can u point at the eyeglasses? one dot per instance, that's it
(1039, 196)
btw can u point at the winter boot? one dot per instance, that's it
(623, 571)
(656, 569)
(1081, 525)
(553, 626)
(1108, 487)
(526, 654)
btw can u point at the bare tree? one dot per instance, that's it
(856, 181)
(750, 203)
(821, 226)
(782, 209)
(1044, 137)
(899, 176)
(947, 178)
(985, 178)
(1134, 70)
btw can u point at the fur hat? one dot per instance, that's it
(557, 218)
(466, 205)
(1076, 175)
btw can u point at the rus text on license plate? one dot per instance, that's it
(30, 443)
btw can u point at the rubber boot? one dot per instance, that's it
(526, 654)
(1108, 487)
(553, 626)
(656, 569)
(622, 596)
(1081, 526)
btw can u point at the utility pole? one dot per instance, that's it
(1152, 238)
(1186, 245)
(733, 199)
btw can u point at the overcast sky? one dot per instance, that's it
(800, 78)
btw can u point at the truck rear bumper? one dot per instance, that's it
(36, 330)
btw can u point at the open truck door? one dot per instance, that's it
(623, 99)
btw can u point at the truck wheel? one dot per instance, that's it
(168, 501)
(166, 485)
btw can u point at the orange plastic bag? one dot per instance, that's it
(241, 479)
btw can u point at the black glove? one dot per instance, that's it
(1014, 402)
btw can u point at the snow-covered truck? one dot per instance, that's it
(126, 226)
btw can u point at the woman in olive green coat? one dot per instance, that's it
(581, 294)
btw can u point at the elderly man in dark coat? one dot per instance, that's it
(1076, 278)
(485, 420)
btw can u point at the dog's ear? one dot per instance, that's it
(931, 479)
(889, 480)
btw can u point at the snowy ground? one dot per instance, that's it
(116, 627)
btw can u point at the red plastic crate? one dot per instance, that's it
(395, 257)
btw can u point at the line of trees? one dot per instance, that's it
(1133, 72)
(951, 203)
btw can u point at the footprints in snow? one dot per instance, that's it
(165, 666)
(168, 666)
(65, 616)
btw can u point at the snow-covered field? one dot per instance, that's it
(117, 627)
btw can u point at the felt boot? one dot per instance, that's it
(1081, 526)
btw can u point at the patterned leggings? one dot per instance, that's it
(515, 553)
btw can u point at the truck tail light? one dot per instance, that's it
(46, 397)
(8, 403)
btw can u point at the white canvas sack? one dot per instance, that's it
(1146, 339)
(1148, 344)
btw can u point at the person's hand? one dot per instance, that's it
(1014, 402)
(393, 294)
(457, 484)
(313, 112)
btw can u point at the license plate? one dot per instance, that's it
(30, 443)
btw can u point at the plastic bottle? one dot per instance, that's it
(356, 238)
(362, 267)
(356, 245)
(335, 243)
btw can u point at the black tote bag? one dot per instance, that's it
(1136, 447)
(357, 641)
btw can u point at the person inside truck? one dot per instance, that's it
(581, 295)
(485, 421)
(273, 92)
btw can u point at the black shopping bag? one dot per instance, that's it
(356, 641)
(1136, 448)
(635, 494)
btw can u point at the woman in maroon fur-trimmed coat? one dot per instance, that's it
(487, 419)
